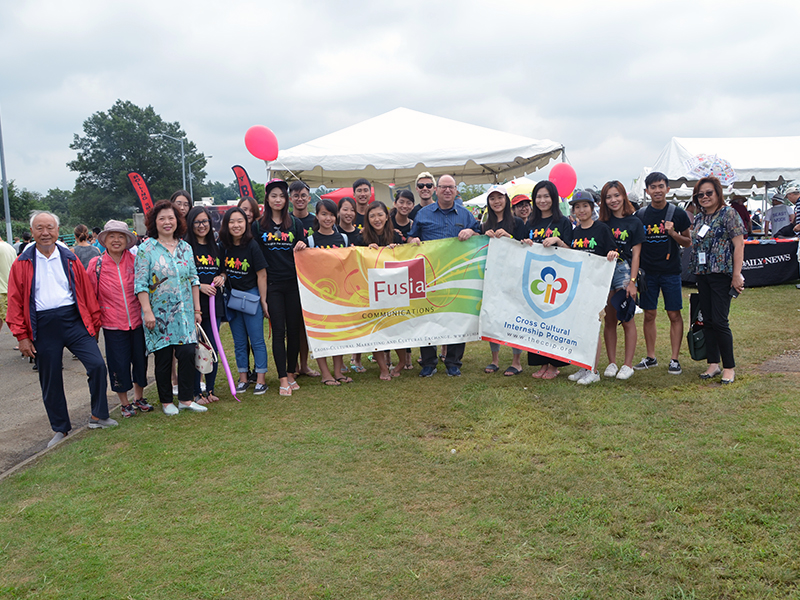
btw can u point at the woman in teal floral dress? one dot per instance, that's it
(169, 291)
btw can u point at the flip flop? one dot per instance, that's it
(294, 385)
(387, 378)
(285, 391)
(359, 368)
(551, 374)
(539, 374)
(310, 373)
(330, 382)
(344, 379)
(492, 368)
(202, 400)
(512, 371)
(408, 367)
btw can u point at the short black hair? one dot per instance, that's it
(298, 186)
(362, 181)
(96, 230)
(655, 177)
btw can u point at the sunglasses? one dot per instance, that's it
(701, 195)
(422, 186)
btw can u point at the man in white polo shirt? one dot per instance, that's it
(51, 307)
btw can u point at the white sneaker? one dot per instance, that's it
(170, 409)
(611, 370)
(590, 377)
(194, 407)
(625, 372)
(578, 375)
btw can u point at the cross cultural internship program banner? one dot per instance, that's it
(360, 300)
(545, 300)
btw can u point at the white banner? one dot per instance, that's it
(545, 300)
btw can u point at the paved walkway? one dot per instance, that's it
(24, 428)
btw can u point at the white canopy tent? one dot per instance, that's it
(762, 160)
(393, 148)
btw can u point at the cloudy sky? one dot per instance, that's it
(613, 81)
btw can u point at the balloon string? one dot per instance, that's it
(285, 168)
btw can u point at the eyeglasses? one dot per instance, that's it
(706, 194)
(300, 196)
(447, 187)
(200, 223)
(421, 186)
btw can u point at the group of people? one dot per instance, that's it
(152, 299)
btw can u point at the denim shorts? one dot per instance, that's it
(669, 284)
(622, 276)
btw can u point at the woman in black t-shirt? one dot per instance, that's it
(200, 236)
(278, 232)
(326, 236)
(403, 205)
(548, 227)
(347, 216)
(378, 232)
(618, 213)
(245, 271)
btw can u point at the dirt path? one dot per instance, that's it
(24, 428)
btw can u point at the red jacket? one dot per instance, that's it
(113, 288)
(21, 316)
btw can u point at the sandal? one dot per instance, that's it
(344, 379)
(408, 367)
(492, 368)
(551, 374)
(285, 391)
(510, 371)
(310, 373)
(294, 385)
(202, 399)
(540, 373)
(359, 368)
(330, 382)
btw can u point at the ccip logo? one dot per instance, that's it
(549, 282)
(550, 285)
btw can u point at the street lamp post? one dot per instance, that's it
(190, 173)
(183, 156)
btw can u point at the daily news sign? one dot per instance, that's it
(535, 298)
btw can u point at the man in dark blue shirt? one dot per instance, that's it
(443, 219)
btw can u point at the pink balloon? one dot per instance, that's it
(564, 178)
(220, 350)
(261, 142)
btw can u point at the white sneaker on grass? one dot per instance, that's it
(578, 375)
(611, 370)
(590, 377)
(625, 372)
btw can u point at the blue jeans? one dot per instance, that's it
(244, 327)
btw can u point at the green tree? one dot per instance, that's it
(60, 202)
(119, 141)
(22, 202)
(468, 192)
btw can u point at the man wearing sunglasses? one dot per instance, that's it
(666, 229)
(425, 187)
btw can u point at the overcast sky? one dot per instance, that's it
(613, 81)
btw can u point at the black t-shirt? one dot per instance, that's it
(403, 231)
(207, 268)
(597, 239)
(660, 253)
(518, 224)
(359, 241)
(556, 225)
(627, 231)
(335, 240)
(278, 248)
(308, 223)
(359, 222)
(241, 264)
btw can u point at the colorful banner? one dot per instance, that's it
(545, 300)
(362, 300)
(243, 180)
(140, 187)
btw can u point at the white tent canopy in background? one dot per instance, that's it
(770, 160)
(394, 147)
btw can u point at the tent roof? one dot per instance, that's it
(394, 147)
(773, 160)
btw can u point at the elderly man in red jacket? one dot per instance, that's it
(51, 306)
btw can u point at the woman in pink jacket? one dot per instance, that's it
(111, 275)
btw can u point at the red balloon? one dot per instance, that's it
(564, 178)
(261, 142)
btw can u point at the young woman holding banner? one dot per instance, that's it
(548, 227)
(501, 222)
(326, 236)
(379, 232)
(618, 213)
(278, 232)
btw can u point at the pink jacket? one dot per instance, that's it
(113, 285)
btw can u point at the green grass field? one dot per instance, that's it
(484, 486)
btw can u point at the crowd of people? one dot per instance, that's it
(154, 296)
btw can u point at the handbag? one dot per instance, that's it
(696, 338)
(205, 356)
(243, 302)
